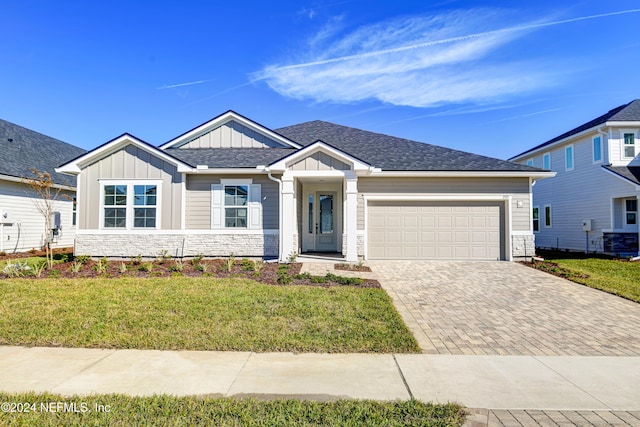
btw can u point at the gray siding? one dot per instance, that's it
(130, 163)
(320, 161)
(582, 193)
(518, 188)
(198, 208)
(232, 135)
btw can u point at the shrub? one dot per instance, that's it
(82, 259)
(177, 266)
(247, 265)
(257, 265)
(123, 267)
(16, 269)
(39, 268)
(76, 265)
(101, 266)
(228, 264)
(146, 267)
(196, 259)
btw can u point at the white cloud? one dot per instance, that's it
(416, 61)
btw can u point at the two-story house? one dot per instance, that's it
(592, 202)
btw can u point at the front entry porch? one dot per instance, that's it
(320, 222)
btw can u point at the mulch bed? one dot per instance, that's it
(352, 267)
(214, 268)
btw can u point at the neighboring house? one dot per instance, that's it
(592, 203)
(232, 185)
(21, 223)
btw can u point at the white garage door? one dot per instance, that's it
(435, 230)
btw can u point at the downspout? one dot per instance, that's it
(279, 181)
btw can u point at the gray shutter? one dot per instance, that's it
(255, 207)
(217, 202)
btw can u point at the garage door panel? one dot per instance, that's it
(435, 230)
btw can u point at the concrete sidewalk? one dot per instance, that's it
(493, 382)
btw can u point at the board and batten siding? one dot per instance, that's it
(198, 200)
(130, 163)
(23, 229)
(232, 135)
(518, 188)
(582, 193)
(320, 161)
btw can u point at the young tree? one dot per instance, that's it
(46, 197)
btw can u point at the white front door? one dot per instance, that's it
(321, 221)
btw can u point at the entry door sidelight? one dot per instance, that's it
(325, 221)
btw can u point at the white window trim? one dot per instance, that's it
(533, 219)
(593, 149)
(626, 225)
(623, 145)
(546, 156)
(567, 157)
(547, 216)
(254, 205)
(130, 206)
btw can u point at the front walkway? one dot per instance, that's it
(505, 308)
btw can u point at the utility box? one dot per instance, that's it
(587, 225)
(55, 221)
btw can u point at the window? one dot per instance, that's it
(74, 211)
(530, 162)
(597, 149)
(144, 201)
(536, 218)
(546, 161)
(236, 204)
(128, 205)
(629, 145)
(547, 216)
(568, 157)
(631, 209)
(115, 206)
(236, 198)
(310, 213)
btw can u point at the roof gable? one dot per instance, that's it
(76, 165)
(230, 130)
(331, 158)
(23, 149)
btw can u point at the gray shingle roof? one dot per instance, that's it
(624, 113)
(632, 173)
(229, 157)
(23, 149)
(394, 154)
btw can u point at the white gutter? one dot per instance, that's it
(22, 181)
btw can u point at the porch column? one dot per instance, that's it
(351, 193)
(288, 217)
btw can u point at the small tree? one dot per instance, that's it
(46, 197)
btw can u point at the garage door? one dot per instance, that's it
(435, 230)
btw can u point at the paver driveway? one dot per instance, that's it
(505, 308)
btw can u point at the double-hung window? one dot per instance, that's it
(629, 145)
(127, 205)
(236, 204)
(631, 211)
(115, 206)
(144, 202)
(74, 211)
(236, 201)
(536, 219)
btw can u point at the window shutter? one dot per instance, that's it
(216, 205)
(255, 207)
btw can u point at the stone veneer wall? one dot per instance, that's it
(523, 246)
(177, 245)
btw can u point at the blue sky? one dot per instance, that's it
(490, 77)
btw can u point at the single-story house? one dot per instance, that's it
(22, 225)
(233, 186)
(591, 205)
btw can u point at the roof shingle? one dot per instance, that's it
(23, 149)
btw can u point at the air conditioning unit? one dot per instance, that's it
(587, 225)
(55, 221)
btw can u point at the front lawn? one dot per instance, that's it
(119, 410)
(199, 314)
(619, 277)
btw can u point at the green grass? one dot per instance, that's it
(610, 275)
(199, 314)
(194, 411)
